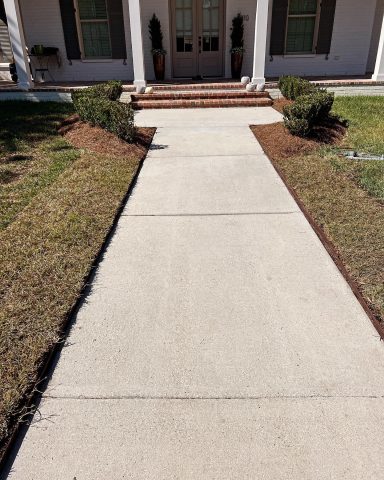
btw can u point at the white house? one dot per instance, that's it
(108, 39)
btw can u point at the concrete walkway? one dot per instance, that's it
(219, 340)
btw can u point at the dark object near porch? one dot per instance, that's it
(13, 72)
(40, 50)
(237, 50)
(158, 52)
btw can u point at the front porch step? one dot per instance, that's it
(198, 94)
(203, 103)
(160, 87)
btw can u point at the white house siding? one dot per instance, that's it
(161, 9)
(378, 21)
(247, 8)
(353, 49)
(42, 25)
(349, 50)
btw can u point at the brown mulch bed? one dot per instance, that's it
(96, 139)
(278, 142)
(280, 103)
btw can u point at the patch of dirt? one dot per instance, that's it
(7, 176)
(278, 142)
(280, 103)
(96, 139)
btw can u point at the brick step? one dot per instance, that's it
(202, 103)
(159, 87)
(197, 86)
(198, 95)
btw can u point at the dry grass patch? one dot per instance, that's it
(46, 252)
(330, 187)
(32, 155)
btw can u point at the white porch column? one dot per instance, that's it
(379, 68)
(16, 36)
(137, 44)
(261, 28)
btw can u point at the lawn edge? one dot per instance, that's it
(331, 249)
(33, 397)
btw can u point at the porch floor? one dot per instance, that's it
(6, 85)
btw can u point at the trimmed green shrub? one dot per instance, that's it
(324, 103)
(99, 105)
(297, 126)
(293, 87)
(116, 117)
(111, 90)
(308, 111)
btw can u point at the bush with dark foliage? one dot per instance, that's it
(308, 111)
(111, 90)
(293, 87)
(99, 105)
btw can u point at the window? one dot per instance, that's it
(184, 26)
(94, 28)
(302, 25)
(211, 16)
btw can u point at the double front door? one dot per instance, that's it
(197, 38)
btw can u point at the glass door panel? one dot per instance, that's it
(211, 26)
(184, 26)
(184, 38)
(211, 22)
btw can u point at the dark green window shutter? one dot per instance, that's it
(3, 17)
(116, 28)
(327, 17)
(71, 38)
(279, 23)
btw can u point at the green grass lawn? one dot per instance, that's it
(365, 134)
(57, 205)
(344, 197)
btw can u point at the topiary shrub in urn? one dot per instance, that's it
(158, 52)
(237, 50)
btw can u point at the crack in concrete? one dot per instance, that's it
(215, 398)
(235, 214)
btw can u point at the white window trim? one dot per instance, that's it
(315, 33)
(80, 36)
